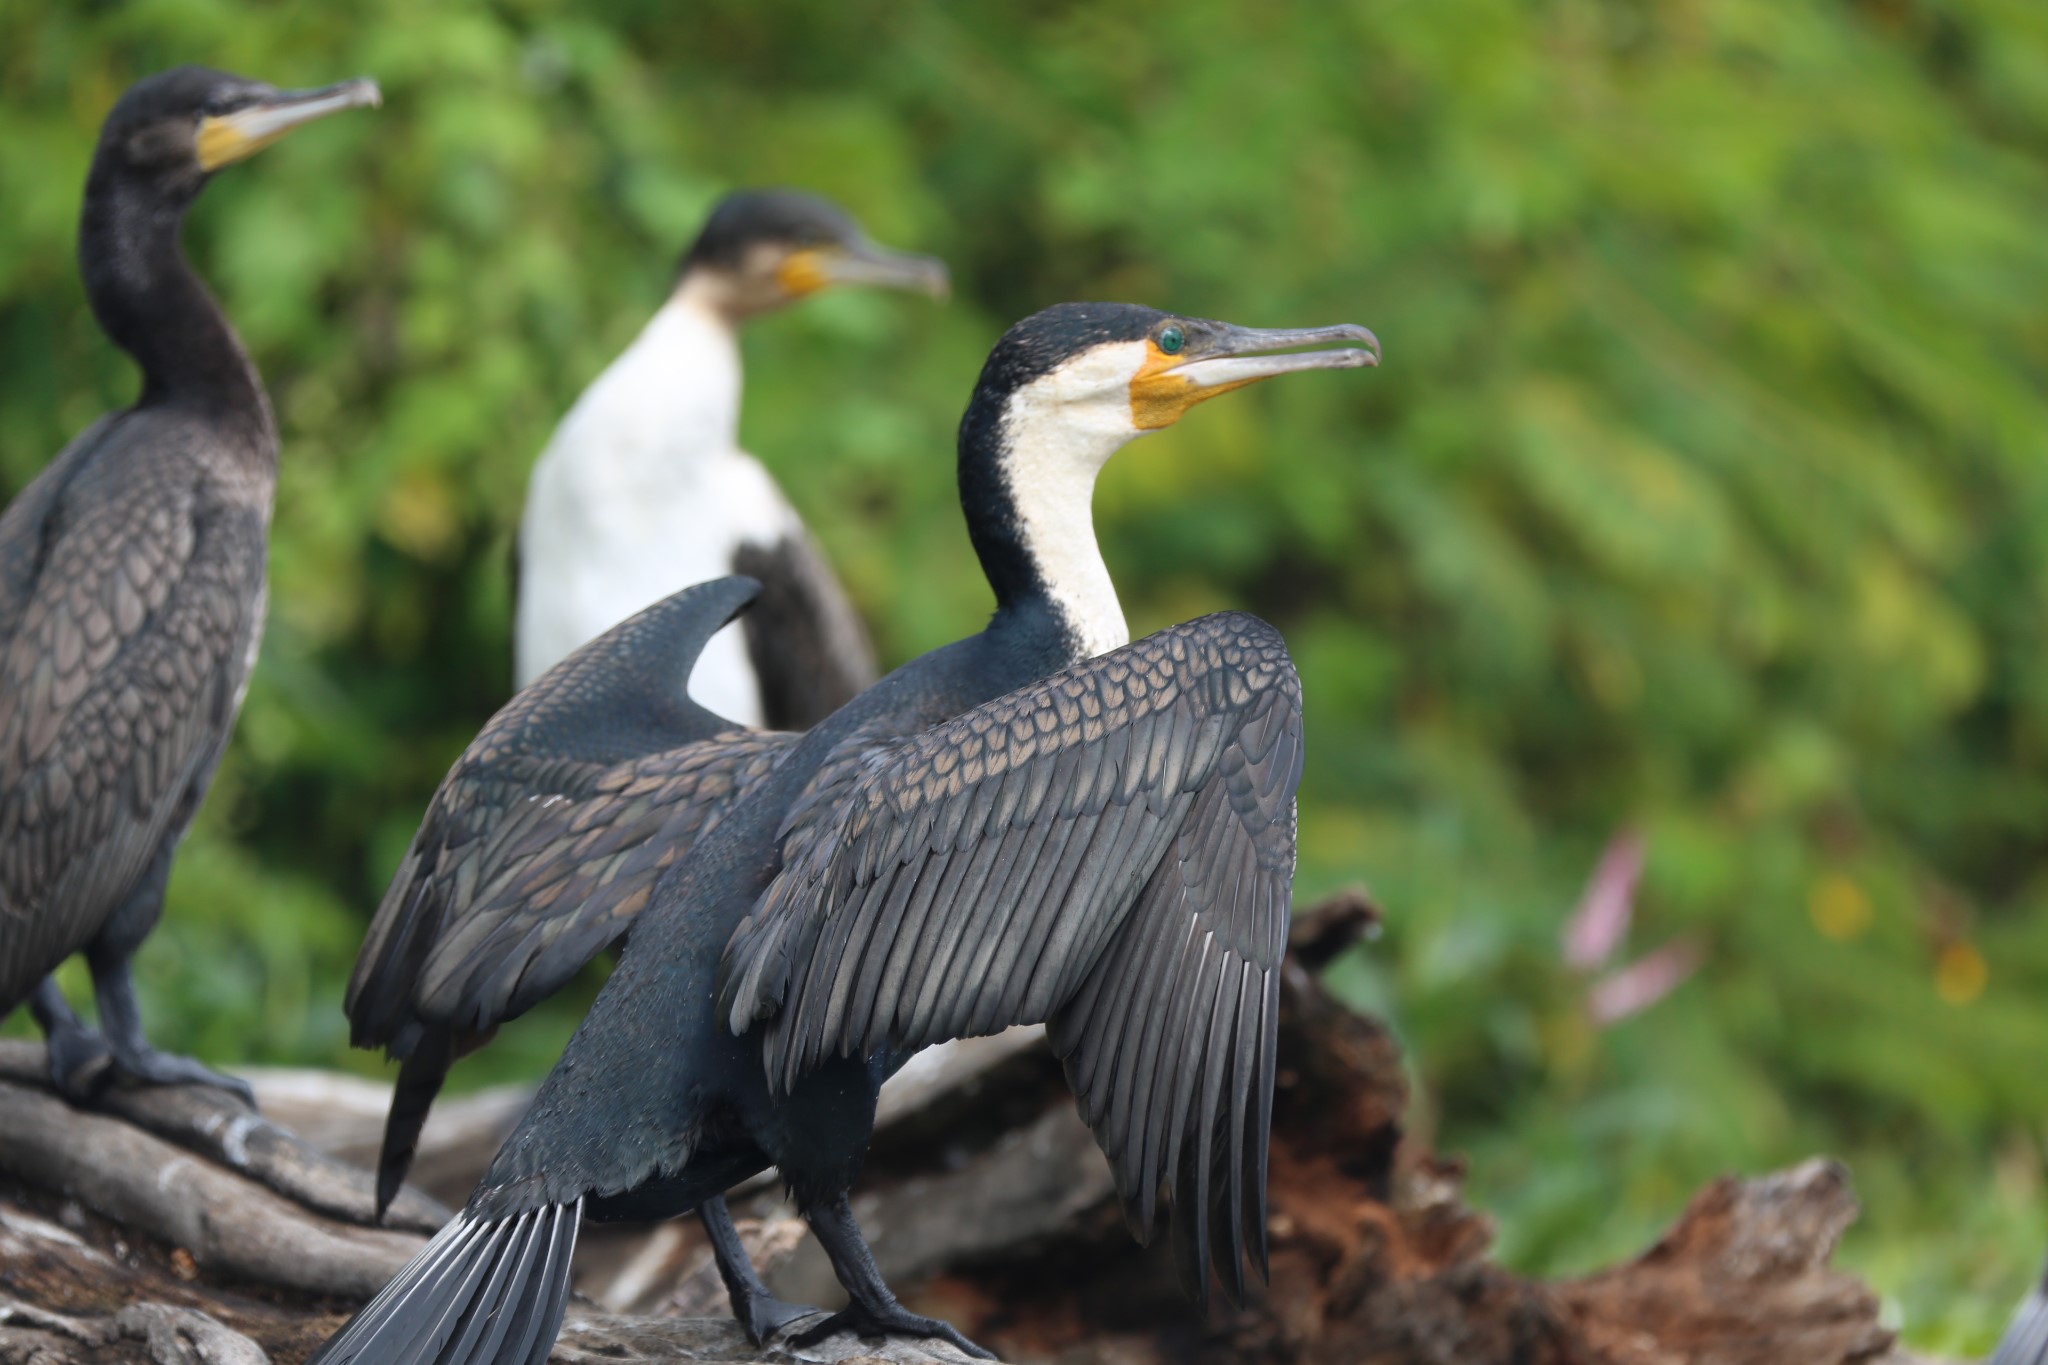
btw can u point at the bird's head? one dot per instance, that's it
(178, 127)
(1067, 388)
(1080, 380)
(764, 249)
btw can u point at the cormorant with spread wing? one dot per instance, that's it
(1038, 822)
(132, 578)
(644, 489)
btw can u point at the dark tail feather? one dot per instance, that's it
(419, 1081)
(481, 1293)
(2026, 1338)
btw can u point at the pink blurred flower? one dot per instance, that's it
(1597, 927)
(1642, 983)
(1594, 934)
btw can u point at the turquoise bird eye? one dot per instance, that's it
(1171, 340)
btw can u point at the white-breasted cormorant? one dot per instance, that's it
(2026, 1337)
(644, 489)
(1038, 822)
(132, 577)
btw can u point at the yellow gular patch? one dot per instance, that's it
(222, 142)
(802, 272)
(1159, 395)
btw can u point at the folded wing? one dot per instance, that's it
(1110, 851)
(130, 619)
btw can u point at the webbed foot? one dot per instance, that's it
(892, 1320)
(764, 1316)
(873, 1311)
(151, 1067)
(121, 1020)
(759, 1313)
(77, 1054)
(80, 1063)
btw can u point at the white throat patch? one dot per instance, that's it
(1060, 430)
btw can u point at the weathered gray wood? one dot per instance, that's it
(988, 1206)
(111, 1309)
(600, 1339)
(213, 1122)
(343, 1116)
(939, 1071)
(227, 1223)
(156, 1332)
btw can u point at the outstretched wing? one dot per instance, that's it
(1109, 850)
(547, 835)
(515, 882)
(133, 606)
(623, 694)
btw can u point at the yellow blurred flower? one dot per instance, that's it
(1838, 908)
(1960, 973)
(420, 516)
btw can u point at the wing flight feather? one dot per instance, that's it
(1110, 851)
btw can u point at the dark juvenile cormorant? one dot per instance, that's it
(2026, 1337)
(131, 577)
(644, 488)
(1039, 822)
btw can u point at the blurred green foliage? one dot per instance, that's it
(1703, 491)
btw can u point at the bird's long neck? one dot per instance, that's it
(691, 352)
(152, 305)
(1027, 487)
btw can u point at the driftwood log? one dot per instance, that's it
(177, 1226)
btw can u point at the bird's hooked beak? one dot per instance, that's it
(863, 262)
(1218, 358)
(227, 138)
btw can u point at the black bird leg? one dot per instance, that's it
(874, 1311)
(753, 1307)
(74, 1049)
(121, 1021)
(120, 1017)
